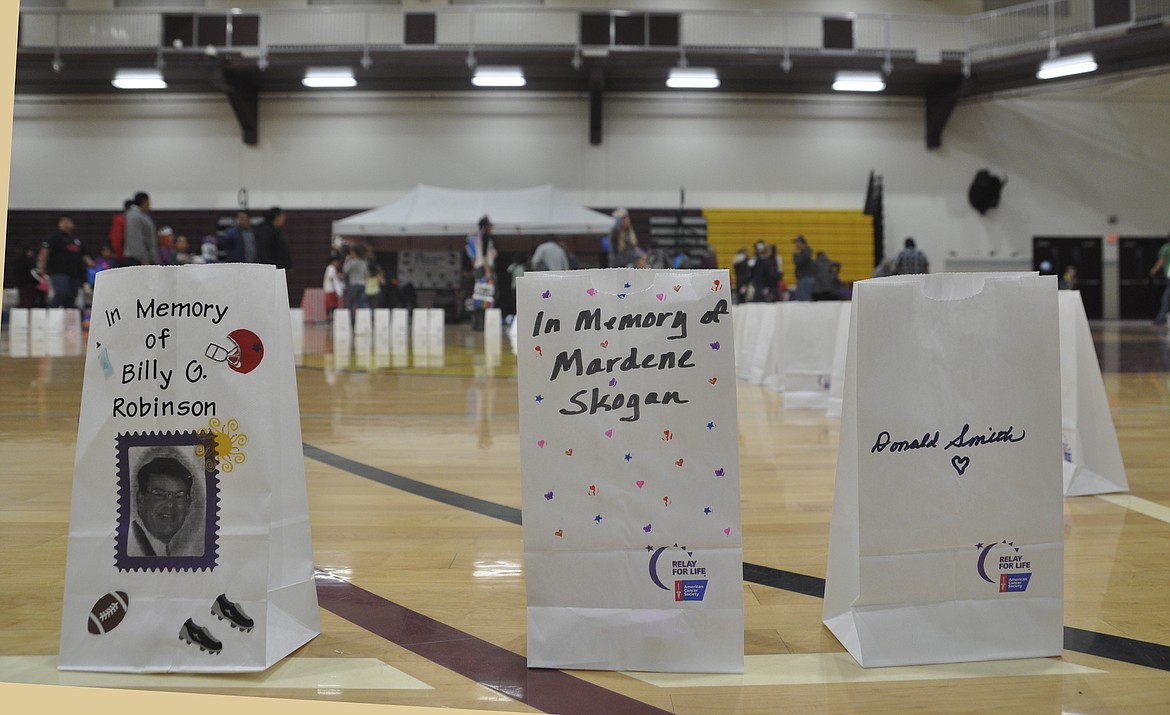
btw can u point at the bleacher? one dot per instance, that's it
(845, 236)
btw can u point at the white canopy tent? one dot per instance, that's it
(436, 211)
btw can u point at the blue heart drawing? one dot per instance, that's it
(960, 463)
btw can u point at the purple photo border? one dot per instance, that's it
(205, 562)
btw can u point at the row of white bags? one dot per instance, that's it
(799, 349)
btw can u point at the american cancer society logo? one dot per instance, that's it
(1002, 563)
(681, 566)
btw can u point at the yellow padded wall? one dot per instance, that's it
(844, 236)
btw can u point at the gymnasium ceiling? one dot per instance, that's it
(244, 75)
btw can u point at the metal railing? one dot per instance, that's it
(1043, 24)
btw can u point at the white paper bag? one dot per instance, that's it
(840, 350)
(946, 541)
(436, 330)
(809, 335)
(382, 330)
(629, 470)
(1092, 455)
(296, 325)
(773, 318)
(756, 362)
(363, 322)
(18, 327)
(342, 333)
(189, 546)
(399, 330)
(420, 322)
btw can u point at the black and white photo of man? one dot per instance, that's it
(163, 499)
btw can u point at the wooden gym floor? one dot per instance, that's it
(413, 480)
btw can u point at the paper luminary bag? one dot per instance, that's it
(840, 349)
(630, 470)
(1092, 456)
(806, 358)
(189, 545)
(946, 540)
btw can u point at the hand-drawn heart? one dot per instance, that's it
(592, 292)
(540, 443)
(559, 532)
(960, 463)
(713, 380)
(569, 452)
(547, 294)
(679, 462)
(609, 433)
(719, 472)
(660, 296)
(548, 496)
(727, 531)
(641, 483)
(605, 343)
(715, 345)
(677, 288)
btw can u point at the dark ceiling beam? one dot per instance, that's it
(596, 92)
(940, 104)
(244, 97)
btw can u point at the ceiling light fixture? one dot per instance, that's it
(486, 76)
(859, 82)
(329, 77)
(692, 78)
(1067, 65)
(139, 79)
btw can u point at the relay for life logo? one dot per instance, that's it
(681, 567)
(1001, 563)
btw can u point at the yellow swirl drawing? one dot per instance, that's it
(225, 445)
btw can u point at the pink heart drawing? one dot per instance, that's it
(609, 433)
(540, 443)
(727, 531)
(641, 483)
(569, 452)
(660, 296)
(712, 380)
(559, 532)
(592, 292)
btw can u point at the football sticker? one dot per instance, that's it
(108, 612)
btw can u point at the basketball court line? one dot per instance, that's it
(1129, 650)
(491, 666)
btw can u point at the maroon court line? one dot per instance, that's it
(551, 691)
